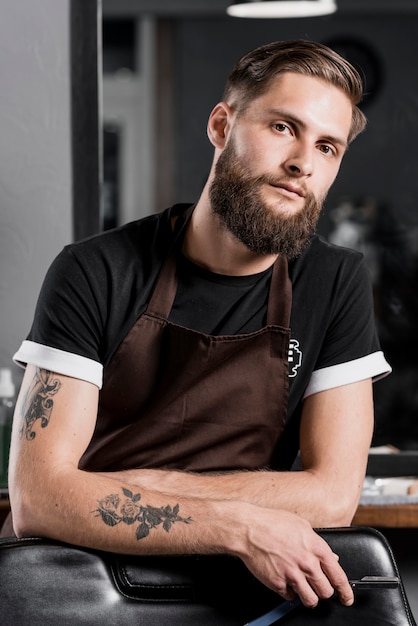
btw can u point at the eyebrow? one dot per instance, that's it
(298, 122)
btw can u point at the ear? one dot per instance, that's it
(219, 124)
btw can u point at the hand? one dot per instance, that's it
(289, 557)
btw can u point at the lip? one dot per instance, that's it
(291, 189)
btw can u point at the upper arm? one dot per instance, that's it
(335, 436)
(54, 420)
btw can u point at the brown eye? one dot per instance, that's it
(281, 127)
(326, 149)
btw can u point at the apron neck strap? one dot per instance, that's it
(280, 295)
(165, 288)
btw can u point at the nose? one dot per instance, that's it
(300, 161)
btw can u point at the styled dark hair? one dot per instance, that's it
(251, 76)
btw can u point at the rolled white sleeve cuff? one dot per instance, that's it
(372, 366)
(60, 362)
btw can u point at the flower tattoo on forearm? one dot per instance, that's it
(113, 510)
(38, 403)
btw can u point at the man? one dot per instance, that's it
(228, 336)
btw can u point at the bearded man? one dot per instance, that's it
(177, 364)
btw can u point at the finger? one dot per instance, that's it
(306, 593)
(321, 585)
(297, 586)
(339, 581)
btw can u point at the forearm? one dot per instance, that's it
(115, 515)
(304, 493)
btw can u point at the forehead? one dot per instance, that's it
(315, 101)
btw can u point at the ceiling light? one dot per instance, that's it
(281, 8)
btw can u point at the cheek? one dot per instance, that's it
(332, 176)
(251, 148)
(326, 176)
(258, 158)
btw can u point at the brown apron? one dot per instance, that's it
(180, 399)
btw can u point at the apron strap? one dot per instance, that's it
(165, 288)
(280, 295)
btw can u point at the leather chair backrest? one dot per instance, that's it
(47, 583)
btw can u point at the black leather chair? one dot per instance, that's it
(47, 583)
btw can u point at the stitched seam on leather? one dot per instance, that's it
(119, 576)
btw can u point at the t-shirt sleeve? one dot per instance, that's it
(60, 362)
(350, 351)
(68, 322)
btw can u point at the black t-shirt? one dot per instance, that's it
(96, 289)
(215, 304)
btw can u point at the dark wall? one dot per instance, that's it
(379, 175)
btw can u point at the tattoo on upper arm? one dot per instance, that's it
(113, 510)
(38, 403)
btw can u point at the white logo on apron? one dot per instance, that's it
(294, 358)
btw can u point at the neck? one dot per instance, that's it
(209, 244)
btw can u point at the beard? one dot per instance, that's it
(236, 200)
